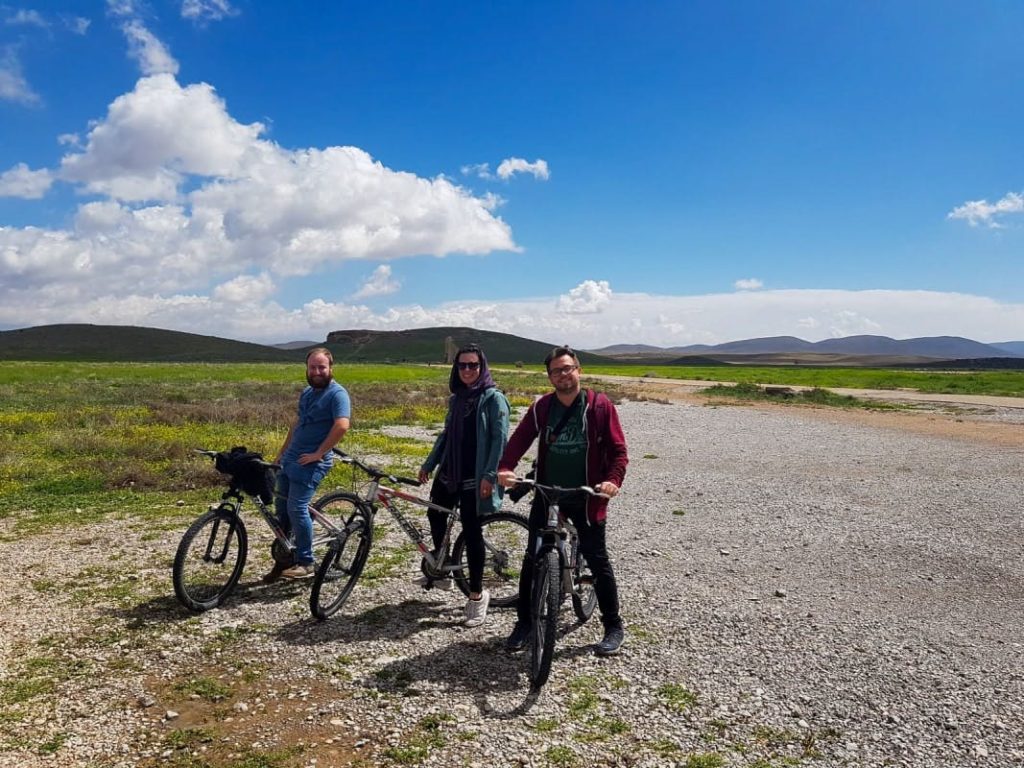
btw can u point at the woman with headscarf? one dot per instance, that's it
(467, 452)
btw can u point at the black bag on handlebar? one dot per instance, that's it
(246, 473)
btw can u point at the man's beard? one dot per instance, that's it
(319, 382)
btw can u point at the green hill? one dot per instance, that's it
(117, 343)
(127, 343)
(427, 345)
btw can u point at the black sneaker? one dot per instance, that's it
(520, 634)
(611, 643)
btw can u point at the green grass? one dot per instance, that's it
(677, 697)
(1008, 383)
(816, 396)
(204, 687)
(82, 442)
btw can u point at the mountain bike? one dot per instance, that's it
(560, 570)
(505, 535)
(214, 549)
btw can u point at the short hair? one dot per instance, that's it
(321, 351)
(562, 351)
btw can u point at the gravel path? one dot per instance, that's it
(796, 592)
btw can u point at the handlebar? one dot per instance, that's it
(558, 490)
(374, 472)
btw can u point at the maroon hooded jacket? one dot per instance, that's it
(606, 444)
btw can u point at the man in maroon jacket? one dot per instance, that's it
(581, 443)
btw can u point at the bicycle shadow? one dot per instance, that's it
(167, 609)
(396, 621)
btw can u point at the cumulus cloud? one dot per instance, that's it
(20, 181)
(378, 284)
(13, 85)
(190, 197)
(201, 10)
(146, 48)
(749, 284)
(587, 298)
(514, 165)
(982, 212)
(245, 289)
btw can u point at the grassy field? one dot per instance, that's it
(83, 440)
(1007, 383)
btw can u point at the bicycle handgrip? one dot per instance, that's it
(404, 480)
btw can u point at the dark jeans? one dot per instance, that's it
(465, 498)
(593, 548)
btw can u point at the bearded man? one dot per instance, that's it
(305, 458)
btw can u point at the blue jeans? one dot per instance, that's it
(291, 500)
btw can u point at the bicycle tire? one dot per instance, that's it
(584, 596)
(505, 539)
(344, 560)
(204, 576)
(544, 612)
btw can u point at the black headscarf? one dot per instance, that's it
(464, 397)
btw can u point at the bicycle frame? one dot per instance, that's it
(382, 495)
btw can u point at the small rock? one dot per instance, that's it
(170, 714)
(241, 707)
(781, 593)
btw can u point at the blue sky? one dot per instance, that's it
(664, 173)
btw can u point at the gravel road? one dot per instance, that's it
(797, 591)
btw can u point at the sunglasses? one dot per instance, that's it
(468, 366)
(565, 370)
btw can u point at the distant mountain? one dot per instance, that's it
(427, 345)
(933, 347)
(128, 343)
(297, 344)
(1013, 347)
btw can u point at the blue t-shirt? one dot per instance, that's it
(318, 409)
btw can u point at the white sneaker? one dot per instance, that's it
(476, 610)
(426, 582)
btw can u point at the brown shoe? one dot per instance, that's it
(299, 571)
(274, 574)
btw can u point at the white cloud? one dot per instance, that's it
(628, 317)
(70, 140)
(480, 170)
(378, 284)
(152, 55)
(13, 85)
(587, 298)
(77, 24)
(976, 212)
(749, 284)
(19, 181)
(200, 10)
(191, 198)
(245, 289)
(513, 165)
(121, 8)
(28, 18)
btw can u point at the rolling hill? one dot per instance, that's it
(924, 348)
(114, 343)
(128, 343)
(427, 345)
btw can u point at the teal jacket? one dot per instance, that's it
(491, 436)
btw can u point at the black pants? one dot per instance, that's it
(593, 548)
(465, 498)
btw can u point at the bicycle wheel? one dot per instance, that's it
(210, 559)
(544, 611)
(343, 561)
(505, 538)
(584, 596)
